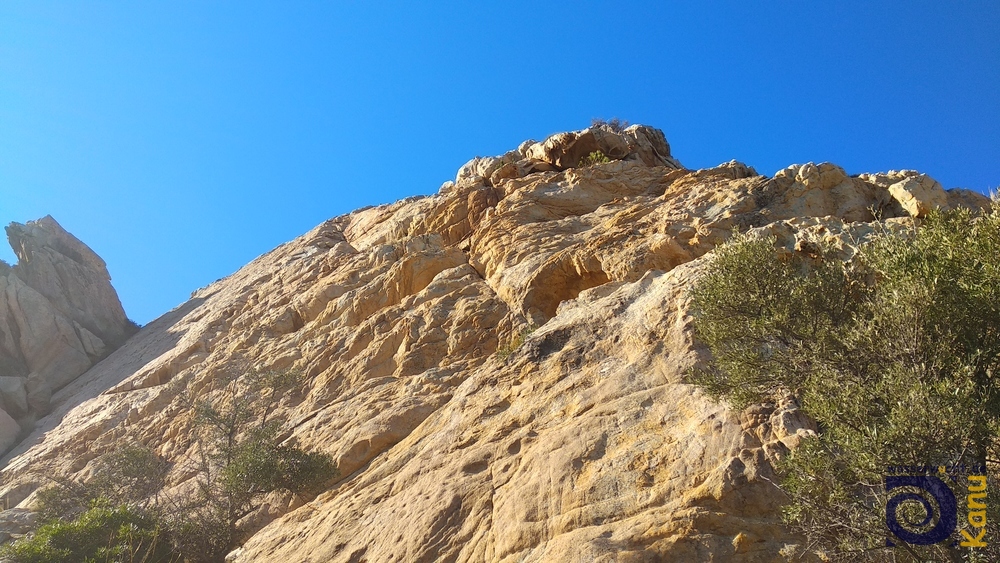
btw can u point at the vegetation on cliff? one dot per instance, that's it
(464, 438)
(121, 514)
(895, 353)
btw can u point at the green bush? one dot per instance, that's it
(64, 500)
(596, 157)
(895, 354)
(504, 352)
(244, 457)
(101, 534)
(130, 475)
(260, 464)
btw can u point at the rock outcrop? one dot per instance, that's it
(580, 444)
(59, 315)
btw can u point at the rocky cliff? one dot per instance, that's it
(497, 368)
(59, 315)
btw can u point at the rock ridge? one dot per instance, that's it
(497, 368)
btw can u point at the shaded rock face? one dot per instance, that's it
(582, 444)
(59, 314)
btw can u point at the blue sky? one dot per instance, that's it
(182, 139)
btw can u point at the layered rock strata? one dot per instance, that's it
(496, 368)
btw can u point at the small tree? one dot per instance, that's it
(242, 457)
(131, 475)
(112, 517)
(896, 354)
(121, 514)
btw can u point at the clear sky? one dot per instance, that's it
(180, 140)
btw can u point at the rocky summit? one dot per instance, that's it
(59, 315)
(497, 369)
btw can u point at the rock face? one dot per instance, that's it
(580, 444)
(59, 314)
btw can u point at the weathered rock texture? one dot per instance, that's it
(59, 314)
(582, 444)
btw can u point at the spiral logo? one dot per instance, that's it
(921, 510)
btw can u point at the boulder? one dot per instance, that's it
(566, 150)
(16, 522)
(917, 194)
(649, 145)
(9, 431)
(958, 197)
(641, 143)
(14, 396)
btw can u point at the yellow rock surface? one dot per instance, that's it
(582, 444)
